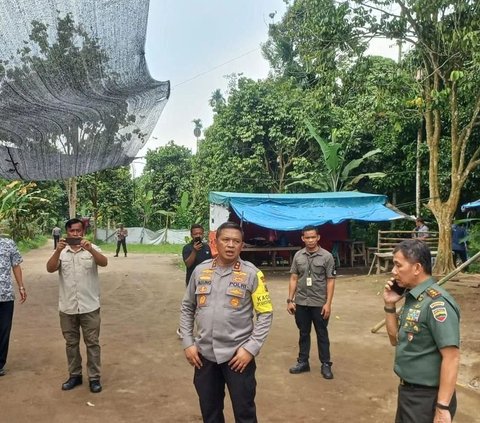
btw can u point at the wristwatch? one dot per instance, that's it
(442, 406)
(289, 301)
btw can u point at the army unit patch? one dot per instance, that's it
(440, 314)
(437, 304)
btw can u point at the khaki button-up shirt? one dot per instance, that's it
(79, 289)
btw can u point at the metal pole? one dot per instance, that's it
(440, 282)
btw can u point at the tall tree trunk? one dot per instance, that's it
(418, 171)
(71, 185)
(444, 261)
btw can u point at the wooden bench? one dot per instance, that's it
(386, 242)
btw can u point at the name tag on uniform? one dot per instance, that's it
(309, 281)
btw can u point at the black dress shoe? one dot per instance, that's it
(327, 371)
(2, 372)
(72, 382)
(95, 386)
(300, 367)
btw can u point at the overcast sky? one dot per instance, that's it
(194, 44)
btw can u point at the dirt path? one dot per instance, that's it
(146, 378)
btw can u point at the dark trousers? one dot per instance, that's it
(304, 317)
(210, 382)
(462, 254)
(56, 238)
(417, 404)
(90, 324)
(123, 243)
(6, 316)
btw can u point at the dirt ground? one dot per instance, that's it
(145, 375)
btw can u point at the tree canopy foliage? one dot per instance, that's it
(419, 114)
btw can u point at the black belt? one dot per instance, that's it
(416, 385)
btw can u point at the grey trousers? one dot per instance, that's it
(90, 325)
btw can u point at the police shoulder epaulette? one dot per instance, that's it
(433, 293)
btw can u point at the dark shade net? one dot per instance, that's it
(75, 92)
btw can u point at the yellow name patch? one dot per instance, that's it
(261, 298)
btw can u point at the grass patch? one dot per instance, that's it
(108, 247)
(30, 244)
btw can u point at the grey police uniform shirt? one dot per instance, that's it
(318, 265)
(221, 301)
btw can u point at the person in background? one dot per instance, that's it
(310, 295)
(421, 230)
(121, 235)
(10, 260)
(459, 244)
(194, 253)
(56, 232)
(220, 302)
(76, 260)
(426, 336)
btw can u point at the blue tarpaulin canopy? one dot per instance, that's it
(294, 211)
(470, 206)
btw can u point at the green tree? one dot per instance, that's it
(21, 208)
(107, 196)
(167, 175)
(444, 36)
(217, 101)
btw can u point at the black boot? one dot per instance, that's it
(72, 382)
(300, 367)
(327, 370)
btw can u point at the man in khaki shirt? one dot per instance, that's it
(77, 259)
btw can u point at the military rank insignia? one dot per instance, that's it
(433, 293)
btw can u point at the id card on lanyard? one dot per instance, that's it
(309, 279)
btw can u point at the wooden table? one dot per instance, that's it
(350, 251)
(272, 251)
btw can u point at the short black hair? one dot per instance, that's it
(229, 225)
(420, 219)
(416, 251)
(71, 222)
(309, 228)
(196, 226)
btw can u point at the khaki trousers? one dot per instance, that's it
(90, 324)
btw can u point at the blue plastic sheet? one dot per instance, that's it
(470, 206)
(295, 211)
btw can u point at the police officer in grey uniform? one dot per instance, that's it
(221, 299)
(310, 295)
(426, 335)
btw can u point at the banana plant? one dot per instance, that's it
(338, 173)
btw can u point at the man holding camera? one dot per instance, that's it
(76, 260)
(196, 251)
